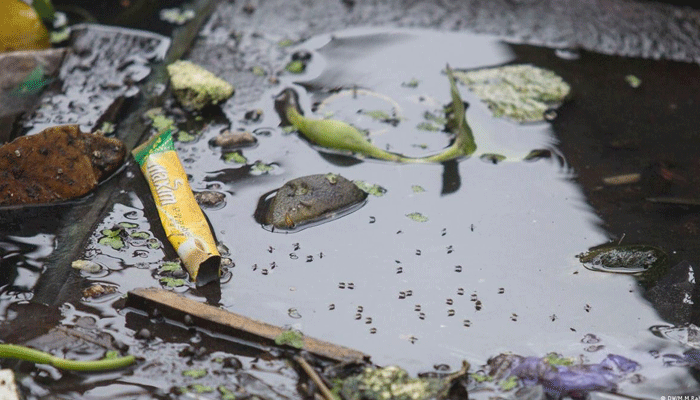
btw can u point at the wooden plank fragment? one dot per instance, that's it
(176, 307)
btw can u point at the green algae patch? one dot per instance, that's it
(370, 188)
(290, 338)
(260, 168)
(159, 121)
(199, 388)
(413, 83)
(390, 383)
(633, 81)
(235, 157)
(428, 126)
(522, 93)
(172, 282)
(556, 359)
(295, 67)
(226, 393)
(417, 189)
(112, 238)
(509, 383)
(418, 217)
(195, 87)
(169, 266)
(195, 373)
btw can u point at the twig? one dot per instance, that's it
(314, 377)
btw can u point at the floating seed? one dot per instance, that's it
(418, 252)
(474, 297)
(358, 316)
(402, 295)
(501, 290)
(373, 331)
(296, 246)
(409, 293)
(413, 339)
(417, 307)
(553, 317)
(360, 309)
(320, 255)
(467, 323)
(587, 308)
(351, 286)
(572, 329)
(460, 291)
(449, 302)
(477, 305)
(472, 227)
(399, 270)
(368, 320)
(514, 317)
(331, 307)
(273, 265)
(293, 256)
(458, 268)
(449, 249)
(372, 220)
(264, 271)
(421, 315)
(255, 267)
(450, 312)
(341, 285)
(270, 249)
(444, 232)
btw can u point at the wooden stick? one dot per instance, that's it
(176, 307)
(314, 377)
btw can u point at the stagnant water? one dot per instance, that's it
(492, 270)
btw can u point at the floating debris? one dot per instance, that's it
(58, 163)
(522, 93)
(413, 83)
(236, 157)
(417, 189)
(87, 266)
(633, 81)
(295, 67)
(290, 338)
(98, 290)
(627, 259)
(195, 87)
(624, 179)
(176, 16)
(312, 198)
(418, 217)
(209, 198)
(231, 140)
(369, 188)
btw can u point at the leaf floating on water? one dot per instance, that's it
(418, 217)
(290, 338)
(417, 189)
(428, 126)
(172, 282)
(170, 266)
(295, 67)
(522, 93)
(633, 81)
(260, 168)
(87, 266)
(413, 83)
(195, 373)
(236, 157)
(369, 188)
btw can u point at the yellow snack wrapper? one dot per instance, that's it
(183, 221)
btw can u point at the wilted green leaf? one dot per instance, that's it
(195, 373)
(418, 217)
(373, 189)
(290, 338)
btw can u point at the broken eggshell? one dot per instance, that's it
(309, 199)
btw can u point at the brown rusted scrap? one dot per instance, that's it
(58, 163)
(176, 307)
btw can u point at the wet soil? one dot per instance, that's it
(493, 267)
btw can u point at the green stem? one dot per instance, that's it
(40, 357)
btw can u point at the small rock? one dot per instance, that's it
(234, 139)
(195, 87)
(209, 198)
(312, 198)
(98, 290)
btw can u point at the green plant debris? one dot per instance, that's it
(236, 157)
(112, 238)
(633, 81)
(287, 130)
(40, 357)
(195, 373)
(258, 71)
(332, 178)
(185, 137)
(226, 393)
(159, 121)
(509, 383)
(378, 115)
(556, 359)
(417, 189)
(428, 116)
(128, 225)
(285, 43)
(176, 16)
(60, 35)
(153, 243)
(172, 282)
(413, 83)
(290, 338)
(429, 126)
(107, 127)
(169, 266)
(111, 355)
(480, 377)
(418, 217)
(521, 93)
(295, 67)
(391, 383)
(140, 235)
(87, 266)
(261, 168)
(195, 87)
(199, 388)
(369, 188)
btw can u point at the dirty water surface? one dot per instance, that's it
(448, 262)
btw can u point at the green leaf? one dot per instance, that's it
(418, 217)
(236, 157)
(373, 189)
(172, 282)
(509, 384)
(169, 266)
(290, 338)
(195, 373)
(114, 242)
(295, 67)
(417, 189)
